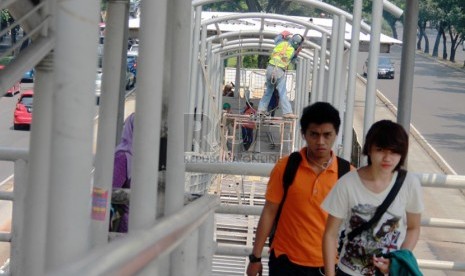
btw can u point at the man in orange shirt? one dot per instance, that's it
(297, 244)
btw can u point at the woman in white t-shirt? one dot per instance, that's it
(355, 198)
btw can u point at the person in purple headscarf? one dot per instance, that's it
(122, 171)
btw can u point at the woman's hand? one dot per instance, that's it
(382, 264)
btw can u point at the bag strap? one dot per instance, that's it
(290, 171)
(401, 174)
(343, 167)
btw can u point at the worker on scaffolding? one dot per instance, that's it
(247, 127)
(286, 51)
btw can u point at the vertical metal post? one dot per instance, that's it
(193, 78)
(308, 73)
(17, 228)
(206, 99)
(68, 233)
(151, 70)
(370, 100)
(124, 32)
(206, 120)
(313, 95)
(191, 250)
(211, 116)
(339, 104)
(203, 87)
(237, 89)
(205, 242)
(178, 30)
(352, 75)
(407, 65)
(332, 59)
(113, 82)
(322, 69)
(219, 74)
(339, 75)
(36, 198)
(298, 86)
(200, 94)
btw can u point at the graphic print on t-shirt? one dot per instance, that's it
(379, 239)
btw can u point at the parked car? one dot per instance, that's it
(131, 62)
(98, 86)
(28, 76)
(130, 80)
(23, 111)
(130, 83)
(134, 8)
(134, 50)
(385, 68)
(16, 88)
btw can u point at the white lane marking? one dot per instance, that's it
(6, 180)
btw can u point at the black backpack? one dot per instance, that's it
(343, 167)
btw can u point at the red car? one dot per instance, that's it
(16, 87)
(23, 111)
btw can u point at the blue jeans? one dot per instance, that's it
(247, 135)
(280, 77)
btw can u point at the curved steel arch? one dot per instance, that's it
(391, 8)
(239, 46)
(311, 44)
(321, 5)
(307, 24)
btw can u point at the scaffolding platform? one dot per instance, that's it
(273, 138)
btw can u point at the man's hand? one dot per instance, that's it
(254, 269)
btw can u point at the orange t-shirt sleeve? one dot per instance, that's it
(275, 190)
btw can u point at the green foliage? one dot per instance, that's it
(103, 5)
(250, 61)
(5, 15)
(226, 6)
(6, 60)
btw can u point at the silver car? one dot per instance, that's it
(134, 8)
(385, 68)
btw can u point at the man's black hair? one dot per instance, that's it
(320, 113)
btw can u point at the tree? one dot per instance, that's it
(425, 15)
(4, 19)
(451, 18)
(456, 27)
(271, 6)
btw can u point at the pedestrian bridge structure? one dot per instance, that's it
(62, 183)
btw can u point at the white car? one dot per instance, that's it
(98, 86)
(134, 50)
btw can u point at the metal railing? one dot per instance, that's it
(20, 159)
(140, 249)
(27, 57)
(427, 180)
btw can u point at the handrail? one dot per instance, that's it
(257, 210)
(138, 249)
(264, 169)
(30, 33)
(25, 60)
(13, 154)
